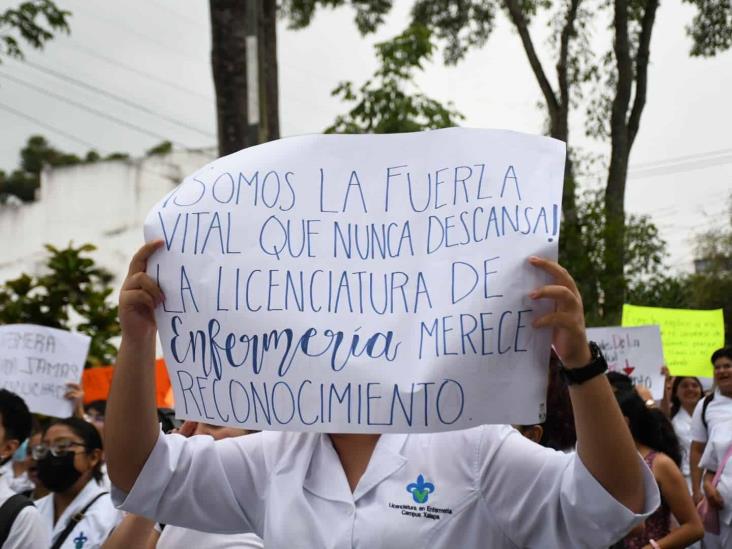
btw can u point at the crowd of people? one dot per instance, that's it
(610, 467)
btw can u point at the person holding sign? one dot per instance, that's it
(482, 487)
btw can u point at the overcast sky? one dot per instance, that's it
(155, 55)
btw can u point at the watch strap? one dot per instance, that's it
(596, 367)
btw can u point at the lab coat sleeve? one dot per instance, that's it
(537, 494)
(698, 431)
(202, 484)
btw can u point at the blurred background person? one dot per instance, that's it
(79, 511)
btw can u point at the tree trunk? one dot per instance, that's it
(624, 124)
(244, 65)
(270, 127)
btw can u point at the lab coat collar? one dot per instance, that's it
(327, 479)
(87, 493)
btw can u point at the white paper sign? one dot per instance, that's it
(360, 283)
(36, 363)
(636, 352)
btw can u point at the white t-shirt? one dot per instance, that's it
(682, 426)
(483, 487)
(175, 537)
(27, 531)
(92, 530)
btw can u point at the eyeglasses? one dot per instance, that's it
(57, 449)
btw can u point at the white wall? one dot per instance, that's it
(103, 203)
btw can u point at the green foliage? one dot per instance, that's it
(72, 294)
(461, 25)
(384, 103)
(369, 13)
(645, 253)
(711, 286)
(36, 154)
(33, 22)
(711, 28)
(161, 148)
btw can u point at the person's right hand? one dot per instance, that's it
(140, 295)
(713, 496)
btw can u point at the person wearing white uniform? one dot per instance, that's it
(685, 394)
(483, 487)
(78, 513)
(20, 522)
(711, 442)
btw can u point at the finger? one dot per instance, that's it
(139, 260)
(560, 274)
(556, 292)
(141, 281)
(73, 386)
(188, 428)
(556, 320)
(139, 298)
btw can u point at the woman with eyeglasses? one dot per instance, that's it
(78, 512)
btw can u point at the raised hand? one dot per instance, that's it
(140, 295)
(568, 318)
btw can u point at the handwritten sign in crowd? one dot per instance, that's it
(689, 336)
(37, 362)
(636, 352)
(361, 283)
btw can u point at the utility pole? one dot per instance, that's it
(244, 66)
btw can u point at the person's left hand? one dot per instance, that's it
(568, 318)
(75, 394)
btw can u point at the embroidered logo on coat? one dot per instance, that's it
(80, 540)
(420, 490)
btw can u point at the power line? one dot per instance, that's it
(72, 137)
(87, 108)
(30, 118)
(687, 166)
(151, 76)
(680, 158)
(116, 97)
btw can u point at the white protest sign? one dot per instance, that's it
(36, 363)
(636, 352)
(360, 283)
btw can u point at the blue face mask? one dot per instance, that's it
(22, 452)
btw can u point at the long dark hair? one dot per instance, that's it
(559, 432)
(86, 432)
(675, 402)
(649, 426)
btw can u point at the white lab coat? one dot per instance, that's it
(682, 426)
(482, 487)
(175, 537)
(92, 530)
(27, 531)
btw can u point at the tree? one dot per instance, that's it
(72, 294)
(37, 154)
(643, 248)
(244, 65)
(711, 286)
(383, 104)
(615, 113)
(33, 22)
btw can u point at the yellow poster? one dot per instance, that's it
(689, 336)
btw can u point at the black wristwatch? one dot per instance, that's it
(596, 366)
